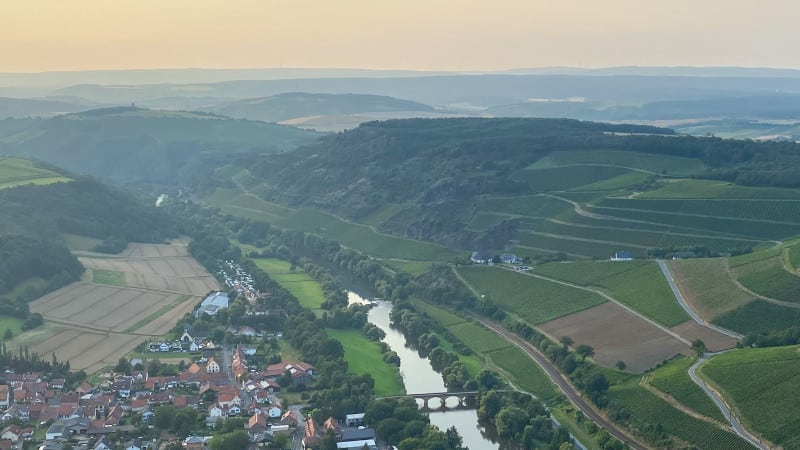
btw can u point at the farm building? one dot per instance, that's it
(509, 258)
(622, 256)
(213, 303)
(481, 257)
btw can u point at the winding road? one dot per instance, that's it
(710, 392)
(720, 402)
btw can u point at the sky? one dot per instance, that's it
(43, 35)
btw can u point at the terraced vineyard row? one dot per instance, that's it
(775, 210)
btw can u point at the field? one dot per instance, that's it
(759, 316)
(307, 290)
(533, 299)
(364, 357)
(91, 324)
(762, 385)
(81, 243)
(18, 172)
(673, 379)
(358, 236)
(650, 162)
(707, 286)
(412, 268)
(646, 408)
(617, 335)
(768, 276)
(10, 323)
(496, 352)
(699, 189)
(638, 284)
(112, 277)
(566, 177)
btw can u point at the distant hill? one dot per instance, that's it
(134, 144)
(25, 107)
(294, 105)
(771, 106)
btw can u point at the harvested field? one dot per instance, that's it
(714, 340)
(617, 335)
(92, 325)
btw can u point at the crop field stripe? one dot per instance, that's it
(609, 298)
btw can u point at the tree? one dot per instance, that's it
(123, 366)
(328, 441)
(699, 346)
(585, 350)
(454, 439)
(8, 335)
(567, 341)
(231, 441)
(510, 421)
(621, 365)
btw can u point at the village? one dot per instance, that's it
(133, 408)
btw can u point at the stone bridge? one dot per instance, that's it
(443, 397)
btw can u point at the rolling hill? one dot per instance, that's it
(295, 105)
(130, 144)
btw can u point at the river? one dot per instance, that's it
(419, 378)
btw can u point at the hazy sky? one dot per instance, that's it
(38, 35)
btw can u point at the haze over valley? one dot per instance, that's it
(399, 225)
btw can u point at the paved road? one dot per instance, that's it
(555, 375)
(685, 305)
(714, 395)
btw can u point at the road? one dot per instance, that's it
(564, 384)
(718, 400)
(685, 305)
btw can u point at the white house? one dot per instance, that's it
(215, 411)
(274, 411)
(212, 366)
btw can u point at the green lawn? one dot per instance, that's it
(10, 323)
(364, 357)
(638, 284)
(673, 379)
(307, 290)
(533, 299)
(762, 384)
(112, 277)
(646, 408)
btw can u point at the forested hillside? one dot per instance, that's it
(130, 144)
(34, 258)
(438, 169)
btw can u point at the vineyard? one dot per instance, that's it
(758, 317)
(651, 162)
(673, 379)
(533, 299)
(769, 278)
(646, 408)
(762, 385)
(638, 284)
(707, 286)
